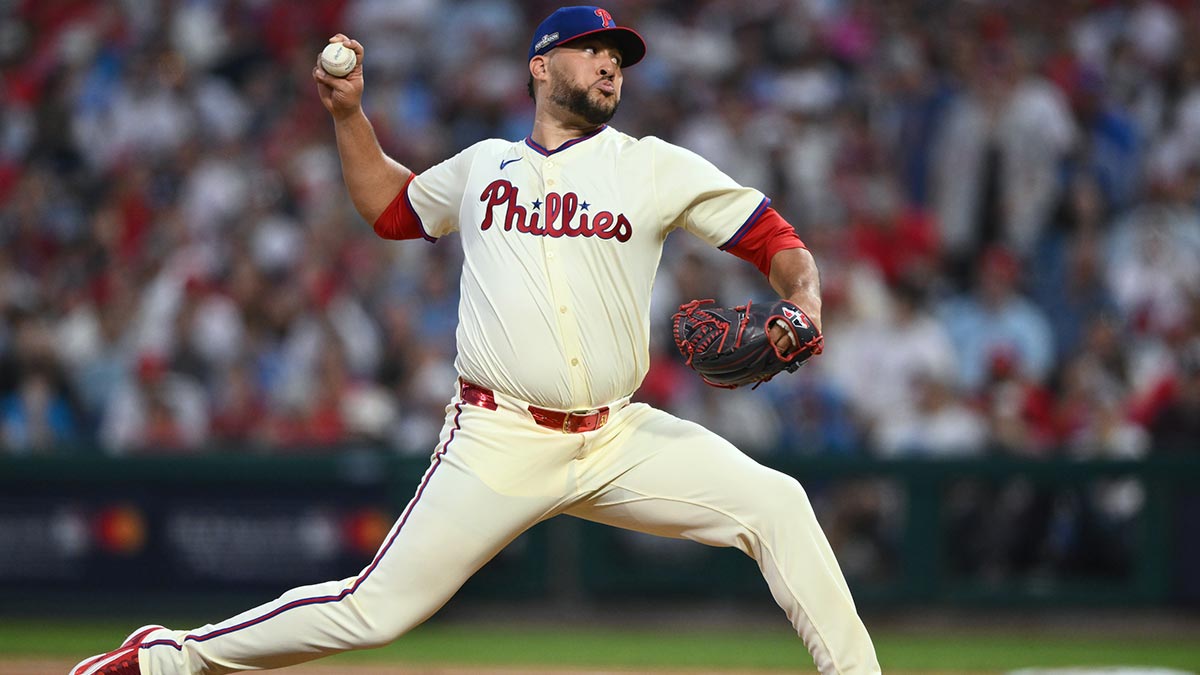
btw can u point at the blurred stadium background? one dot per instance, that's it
(216, 383)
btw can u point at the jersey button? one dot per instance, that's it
(574, 362)
(562, 310)
(549, 165)
(550, 182)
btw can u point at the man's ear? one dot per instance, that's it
(538, 66)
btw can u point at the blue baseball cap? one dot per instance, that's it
(571, 23)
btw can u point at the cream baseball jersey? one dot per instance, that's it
(560, 252)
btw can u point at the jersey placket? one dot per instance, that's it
(560, 291)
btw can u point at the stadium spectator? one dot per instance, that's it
(997, 161)
(879, 355)
(1068, 272)
(158, 411)
(936, 424)
(239, 408)
(996, 327)
(36, 417)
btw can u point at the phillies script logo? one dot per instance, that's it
(563, 215)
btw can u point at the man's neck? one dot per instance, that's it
(551, 131)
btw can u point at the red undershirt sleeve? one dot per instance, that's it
(767, 235)
(399, 220)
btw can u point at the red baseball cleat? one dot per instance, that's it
(121, 661)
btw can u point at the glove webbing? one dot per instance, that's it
(688, 309)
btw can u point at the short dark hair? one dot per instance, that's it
(529, 87)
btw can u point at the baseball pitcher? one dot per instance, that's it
(562, 234)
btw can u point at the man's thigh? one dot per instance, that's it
(671, 477)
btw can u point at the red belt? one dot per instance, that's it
(568, 422)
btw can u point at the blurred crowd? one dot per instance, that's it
(1003, 197)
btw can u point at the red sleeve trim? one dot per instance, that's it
(763, 238)
(399, 220)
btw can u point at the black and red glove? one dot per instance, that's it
(732, 346)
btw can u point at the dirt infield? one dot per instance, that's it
(56, 667)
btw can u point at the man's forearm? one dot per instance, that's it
(795, 277)
(372, 178)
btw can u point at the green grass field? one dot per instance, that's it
(975, 650)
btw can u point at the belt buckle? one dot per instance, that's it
(567, 418)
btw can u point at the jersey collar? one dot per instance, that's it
(543, 151)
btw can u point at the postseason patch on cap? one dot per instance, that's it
(546, 39)
(572, 23)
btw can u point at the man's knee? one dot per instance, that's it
(381, 629)
(780, 505)
(782, 490)
(378, 635)
(383, 613)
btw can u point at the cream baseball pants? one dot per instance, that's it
(496, 473)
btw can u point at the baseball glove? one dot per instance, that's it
(731, 346)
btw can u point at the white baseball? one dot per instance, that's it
(337, 59)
